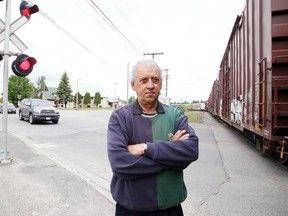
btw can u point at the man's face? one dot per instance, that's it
(147, 84)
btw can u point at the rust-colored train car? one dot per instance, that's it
(251, 92)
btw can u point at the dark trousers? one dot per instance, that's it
(173, 211)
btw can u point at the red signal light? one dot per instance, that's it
(26, 9)
(25, 12)
(23, 65)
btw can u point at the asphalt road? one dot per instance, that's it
(230, 177)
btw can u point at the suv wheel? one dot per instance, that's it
(31, 119)
(55, 121)
(20, 116)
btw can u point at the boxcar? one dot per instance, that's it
(251, 91)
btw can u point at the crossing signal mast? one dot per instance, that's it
(21, 66)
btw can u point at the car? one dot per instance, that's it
(37, 110)
(10, 108)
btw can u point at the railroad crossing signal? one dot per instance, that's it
(26, 9)
(23, 65)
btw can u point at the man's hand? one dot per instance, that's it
(137, 149)
(180, 135)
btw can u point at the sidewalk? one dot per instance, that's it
(34, 185)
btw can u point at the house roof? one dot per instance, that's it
(83, 88)
(52, 90)
(48, 95)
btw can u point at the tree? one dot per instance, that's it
(131, 99)
(87, 98)
(40, 84)
(19, 86)
(64, 90)
(79, 98)
(97, 98)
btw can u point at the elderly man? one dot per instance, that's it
(149, 146)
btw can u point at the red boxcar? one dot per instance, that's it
(251, 92)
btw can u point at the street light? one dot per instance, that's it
(77, 90)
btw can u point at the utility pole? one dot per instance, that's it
(153, 54)
(166, 77)
(5, 152)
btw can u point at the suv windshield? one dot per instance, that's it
(41, 103)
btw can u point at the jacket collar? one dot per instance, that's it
(137, 110)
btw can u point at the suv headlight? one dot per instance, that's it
(36, 110)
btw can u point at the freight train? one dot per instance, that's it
(251, 91)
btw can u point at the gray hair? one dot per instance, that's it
(147, 63)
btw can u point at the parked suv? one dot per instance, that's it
(38, 110)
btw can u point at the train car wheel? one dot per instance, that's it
(282, 157)
(264, 146)
(264, 151)
(259, 145)
(283, 160)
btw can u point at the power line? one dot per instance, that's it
(70, 36)
(95, 8)
(108, 21)
(119, 8)
(112, 25)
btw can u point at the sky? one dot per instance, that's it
(99, 41)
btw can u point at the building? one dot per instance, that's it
(51, 89)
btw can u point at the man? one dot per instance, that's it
(149, 146)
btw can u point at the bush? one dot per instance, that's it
(182, 107)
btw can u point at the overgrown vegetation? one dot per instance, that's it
(194, 116)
